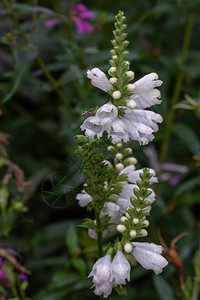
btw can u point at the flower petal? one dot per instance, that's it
(149, 256)
(99, 79)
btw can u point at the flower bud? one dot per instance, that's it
(119, 167)
(121, 228)
(113, 80)
(119, 156)
(130, 74)
(131, 104)
(133, 233)
(123, 219)
(143, 232)
(127, 151)
(131, 87)
(114, 57)
(127, 215)
(128, 248)
(116, 95)
(112, 70)
(146, 223)
(119, 145)
(108, 163)
(136, 221)
(130, 161)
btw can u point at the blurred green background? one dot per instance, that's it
(42, 115)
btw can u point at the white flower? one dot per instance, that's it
(149, 256)
(120, 269)
(99, 79)
(83, 198)
(101, 272)
(145, 94)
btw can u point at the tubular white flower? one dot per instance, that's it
(107, 111)
(83, 198)
(101, 272)
(120, 269)
(149, 256)
(99, 79)
(145, 94)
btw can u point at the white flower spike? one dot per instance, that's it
(149, 256)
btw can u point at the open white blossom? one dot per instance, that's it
(99, 79)
(145, 94)
(101, 272)
(149, 256)
(136, 124)
(120, 269)
(83, 198)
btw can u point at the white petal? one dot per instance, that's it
(83, 198)
(135, 175)
(145, 94)
(118, 132)
(104, 289)
(107, 110)
(101, 270)
(93, 127)
(120, 269)
(149, 256)
(99, 79)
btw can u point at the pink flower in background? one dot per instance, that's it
(79, 14)
(52, 22)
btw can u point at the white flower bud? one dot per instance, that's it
(127, 63)
(113, 80)
(119, 167)
(143, 232)
(130, 74)
(136, 221)
(108, 163)
(119, 156)
(112, 70)
(138, 210)
(116, 95)
(132, 160)
(123, 219)
(128, 248)
(146, 223)
(119, 145)
(127, 215)
(131, 104)
(131, 87)
(114, 57)
(110, 148)
(133, 233)
(121, 228)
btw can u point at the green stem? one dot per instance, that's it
(54, 83)
(178, 86)
(99, 234)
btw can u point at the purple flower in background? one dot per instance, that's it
(1, 275)
(79, 13)
(52, 22)
(22, 277)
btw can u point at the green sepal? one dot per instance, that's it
(89, 224)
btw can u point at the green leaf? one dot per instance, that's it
(188, 137)
(164, 290)
(72, 240)
(23, 60)
(80, 265)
